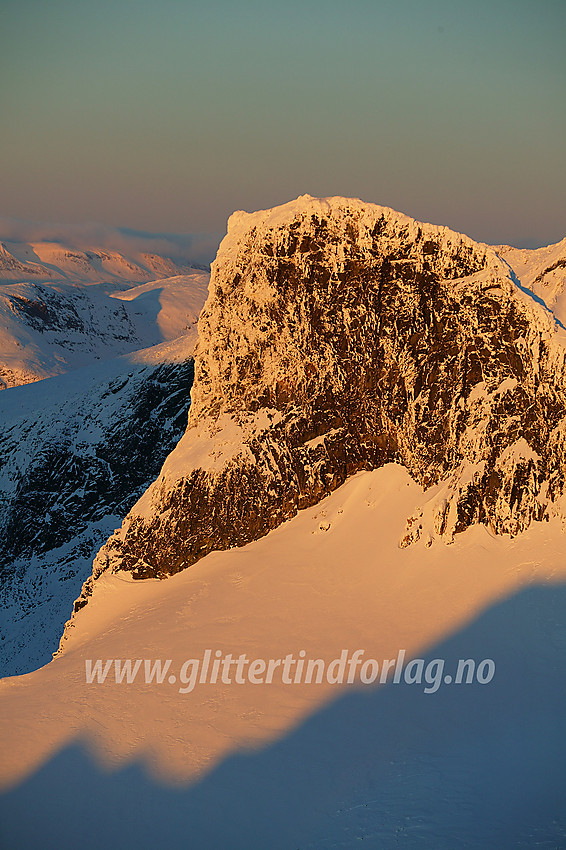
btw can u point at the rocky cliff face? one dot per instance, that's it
(76, 452)
(339, 336)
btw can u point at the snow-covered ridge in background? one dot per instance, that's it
(50, 327)
(543, 271)
(339, 336)
(64, 307)
(51, 261)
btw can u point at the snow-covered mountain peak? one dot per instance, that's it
(339, 336)
(337, 213)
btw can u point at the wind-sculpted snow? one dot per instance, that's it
(543, 271)
(339, 336)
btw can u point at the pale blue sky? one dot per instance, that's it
(167, 116)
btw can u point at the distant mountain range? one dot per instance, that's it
(61, 309)
(52, 261)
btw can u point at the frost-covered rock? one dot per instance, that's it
(339, 336)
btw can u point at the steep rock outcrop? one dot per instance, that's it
(339, 336)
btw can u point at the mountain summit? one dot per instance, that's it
(339, 336)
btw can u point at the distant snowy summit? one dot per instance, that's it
(62, 308)
(339, 336)
(51, 261)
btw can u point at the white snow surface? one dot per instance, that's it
(307, 765)
(47, 329)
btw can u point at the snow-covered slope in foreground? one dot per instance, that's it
(307, 765)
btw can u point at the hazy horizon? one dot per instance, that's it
(199, 248)
(165, 119)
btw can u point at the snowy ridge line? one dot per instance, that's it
(54, 261)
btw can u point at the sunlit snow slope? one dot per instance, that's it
(307, 765)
